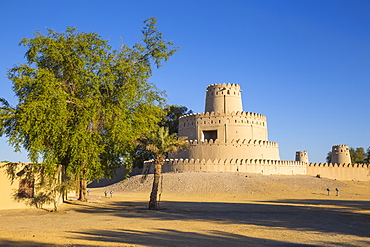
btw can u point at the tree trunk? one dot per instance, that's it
(158, 162)
(82, 187)
(64, 181)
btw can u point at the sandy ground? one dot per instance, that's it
(203, 209)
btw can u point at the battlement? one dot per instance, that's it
(234, 142)
(301, 156)
(223, 98)
(233, 161)
(340, 154)
(348, 165)
(340, 146)
(233, 113)
(340, 171)
(358, 172)
(263, 166)
(223, 85)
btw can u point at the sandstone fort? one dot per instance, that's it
(227, 139)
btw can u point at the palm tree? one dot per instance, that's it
(160, 143)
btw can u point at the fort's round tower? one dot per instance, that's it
(223, 98)
(224, 130)
(301, 156)
(340, 154)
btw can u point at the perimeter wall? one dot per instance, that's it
(267, 167)
(357, 172)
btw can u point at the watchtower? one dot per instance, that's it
(340, 154)
(301, 156)
(223, 98)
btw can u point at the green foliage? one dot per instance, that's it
(358, 155)
(173, 113)
(367, 155)
(328, 157)
(170, 121)
(159, 143)
(80, 103)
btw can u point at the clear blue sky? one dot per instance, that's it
(305, 64)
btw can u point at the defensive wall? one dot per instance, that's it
(344, 171)
(218, 149)
(263, 166)
(229, 125)
(227, 139)
(357, 172)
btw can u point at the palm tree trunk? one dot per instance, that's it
(158, 162)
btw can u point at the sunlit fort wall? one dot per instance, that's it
(224, 130)
(357, 172)
(226, 139)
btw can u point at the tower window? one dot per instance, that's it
(210, 134)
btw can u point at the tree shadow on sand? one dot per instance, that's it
(326, 216)
(4, 243)
(166, 237)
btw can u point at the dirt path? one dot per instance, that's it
(232, 210)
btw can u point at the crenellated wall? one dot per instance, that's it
(230, 125)
(224, 130)
(263, 166)
(344, 171)
(357, 172)
(242, 149)
(227, 139)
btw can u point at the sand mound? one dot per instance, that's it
(232, 183)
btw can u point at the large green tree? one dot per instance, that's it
(81, 103)
(160, 143)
